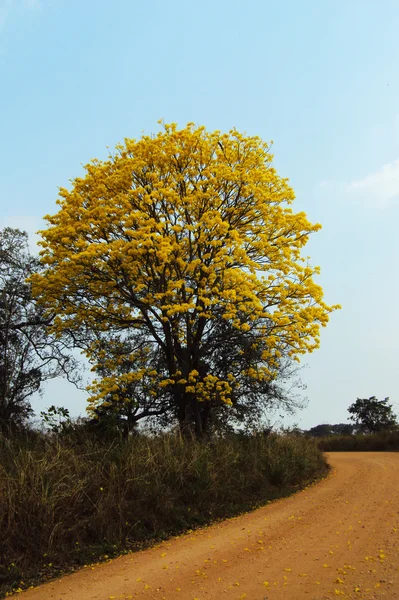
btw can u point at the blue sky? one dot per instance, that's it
(321, 79)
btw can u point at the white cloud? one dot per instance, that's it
(381, 187)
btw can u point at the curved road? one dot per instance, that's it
(336, 539)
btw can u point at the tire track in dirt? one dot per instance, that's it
(336, 539)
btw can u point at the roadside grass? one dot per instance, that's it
(66, 502)
(387, 441)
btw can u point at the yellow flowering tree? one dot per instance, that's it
(171, 248)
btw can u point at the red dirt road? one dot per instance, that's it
(336, 539)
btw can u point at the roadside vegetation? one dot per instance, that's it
(384, 441)
(70, 500)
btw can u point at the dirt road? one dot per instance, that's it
(339, 538)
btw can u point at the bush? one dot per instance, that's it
(374, 442)
(66, 501)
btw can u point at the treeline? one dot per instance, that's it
(383, 441)
(368, 416)
(374, 427)
(326, 430)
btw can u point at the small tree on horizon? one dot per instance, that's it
(371, 415)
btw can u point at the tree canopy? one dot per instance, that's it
(29, 352)
(181, 255)
(325, 429)
(371, 415)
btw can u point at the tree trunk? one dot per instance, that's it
(198, 427)
(193, 417)
(206, 415)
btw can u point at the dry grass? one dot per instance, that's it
(65, 502)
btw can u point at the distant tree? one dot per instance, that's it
(29, 352)
(326, 430)
(371, 415)
(323, 430)
(342, 429)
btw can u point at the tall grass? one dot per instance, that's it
(372, 442)
(65, 502)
